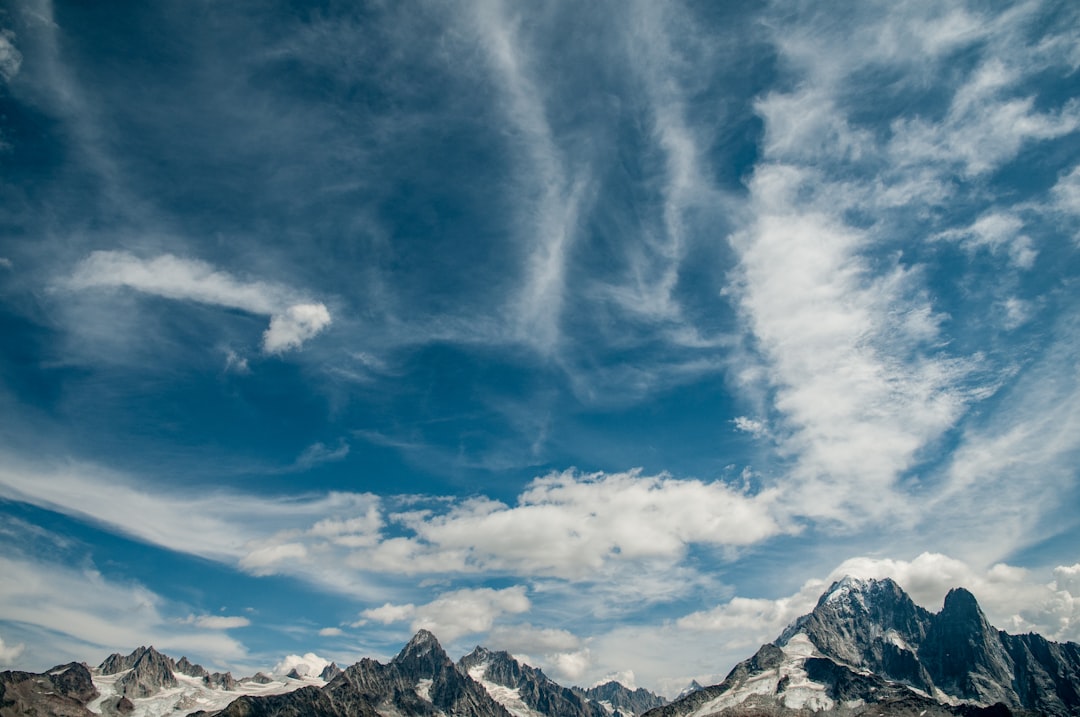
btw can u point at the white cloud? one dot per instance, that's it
(217, 622)
(292, 320)
(295, 325)
(236, 363)
(571, 665)
(1066, 193)
(753, 426)
(457, 613)
(569, 526)
(523, 638)
(331, 632)
(553, 202)
(850, 351)
(319, 453)
(6, 263)
(10, 653)
(273, 558)
(307, 664)
(10, 57)
(67, 604)
(997, 232)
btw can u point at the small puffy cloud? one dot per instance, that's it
(331, 632)
(6, 263)
(754, 427)
(457, 613)
(294, 326)
(217, 622)
(571, 665)
(389, 613)
(10, 653)
(292, 321)
(307, 664)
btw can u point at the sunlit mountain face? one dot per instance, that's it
(606, 335)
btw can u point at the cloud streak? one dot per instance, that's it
(292, 320)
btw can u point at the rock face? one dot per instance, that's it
(185, 667)
(61, 692)
(618, 698)
(220, 680)
(866, 647)
(150, 673)
(330, 672)
(525, 689)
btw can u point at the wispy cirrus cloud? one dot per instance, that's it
(292, 319)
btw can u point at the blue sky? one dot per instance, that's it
(603, 333)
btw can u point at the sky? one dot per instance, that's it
(604, 333)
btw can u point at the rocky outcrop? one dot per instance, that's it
(186, 667)
(616, 697)
(61, 692)
(330, 672)
(220, 680)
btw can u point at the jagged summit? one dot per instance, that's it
(423, 656)
(866, 647)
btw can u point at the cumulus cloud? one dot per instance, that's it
(457, 613)
(295, 325)
(331, 632)
(308, 664)
(10, 653)
(292, 320)
(570, 525)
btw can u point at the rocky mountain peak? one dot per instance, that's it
(423, 657)
(150, 673)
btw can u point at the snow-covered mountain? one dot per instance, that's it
(866, 648)
(524, 690)
(420, 681)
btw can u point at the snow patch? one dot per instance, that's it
(423, 689)
(510, 698)
(789, 683)
(191, 695)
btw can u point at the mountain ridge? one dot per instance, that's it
(865, 649)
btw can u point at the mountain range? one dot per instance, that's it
(865, 649)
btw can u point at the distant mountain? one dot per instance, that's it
(866, 648)
(420, 681)
(523, 690)
(616, 698)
